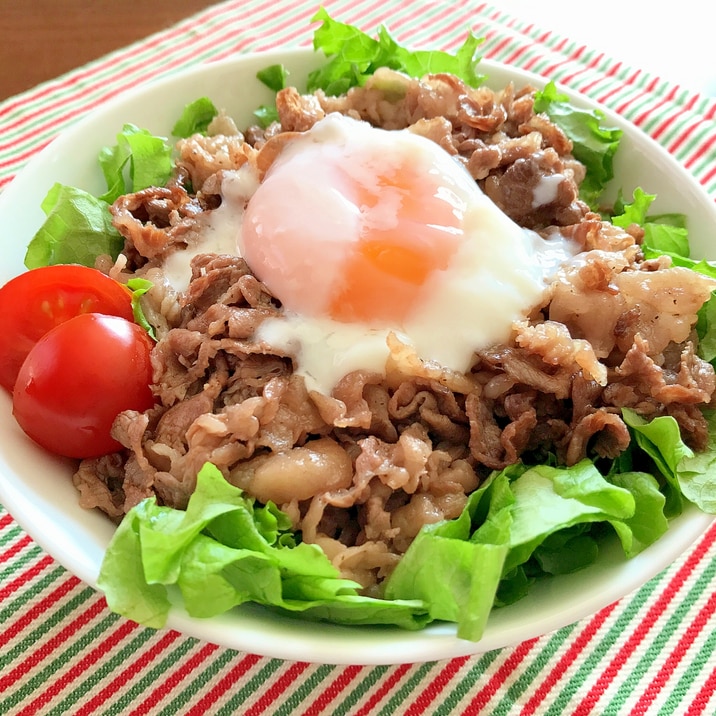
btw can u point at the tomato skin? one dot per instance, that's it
(77, 378)
(36, 301)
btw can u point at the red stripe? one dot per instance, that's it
(120, 679)
(629, 101)
(498, 679)
(172, 680)
(39, 608)
(54, 686)
(592, 64)
(705, 147)
(700, 703)
(277, 689)
(668, 99)
(381, 692)
(330, 692)
(685, 134)
(547, 72)
(668, 667)
(26, 155)
(653, 84)
(203, 706)
(583, 638)
(434, 38)
(6, 520)
(435, 687)
(11, 587)
(558, 47)
(511, 59)
(646, 624)
(269, 41)
(576, 54)
(668, 122)
(57, 640)
(612, 71)
(500, 46)
(709, 175)
(16, 547)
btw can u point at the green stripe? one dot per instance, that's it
(672, 626)
(531, 675)
(597, 652)
(255, 685)
(12, 532)
(302, 691)
(368, 679)
(694, 141)
(468, 681)
(91, 678)
(195, 686)
(675, 130)
(46, 674)
(657, 118)
(49, 621)
(704, 164)
(638, 106)
(21, 598)
(30, 554)
(408, 688)
(689, 674)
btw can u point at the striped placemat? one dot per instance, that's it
(63, 652)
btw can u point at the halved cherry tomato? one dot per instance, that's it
(77, 378)
(38, 300)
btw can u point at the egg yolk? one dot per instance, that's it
(384, 271)
(353, 221)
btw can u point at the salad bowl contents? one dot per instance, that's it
(417, 360)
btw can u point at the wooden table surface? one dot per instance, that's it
(41, 39)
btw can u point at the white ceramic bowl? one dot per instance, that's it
(36, 488)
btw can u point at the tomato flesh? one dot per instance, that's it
(77, 378)
(36, 301)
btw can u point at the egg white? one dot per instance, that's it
(499, 272)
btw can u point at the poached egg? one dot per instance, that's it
(362, 233)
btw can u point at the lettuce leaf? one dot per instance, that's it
(594, 144)
(138, 160)
(138, 287)
(353, 56)
(691, 475)
(697, 472)
(273, 76)
(550, 499)
(225, 550)
(455, 569)
(195, 118)
(663, 233)
(77, 229)
(520, 524)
